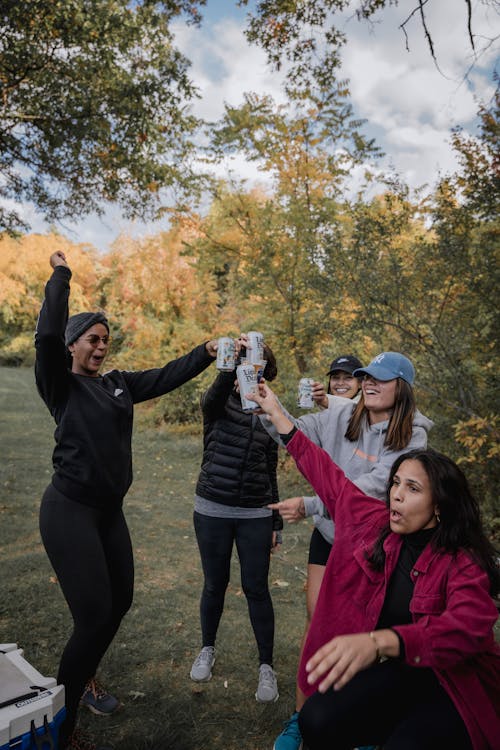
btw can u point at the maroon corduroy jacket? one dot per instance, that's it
(452, 610)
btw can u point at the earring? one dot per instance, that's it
(438, 517)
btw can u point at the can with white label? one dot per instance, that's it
(305, 399)
(247, 381)
(255, 351)
(226, 354)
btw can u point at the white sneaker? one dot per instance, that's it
(201, 671)
(267, 689)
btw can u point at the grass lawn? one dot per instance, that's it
(148, 664)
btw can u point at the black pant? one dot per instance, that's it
(253, 537)
(389, 704)
(91, 554)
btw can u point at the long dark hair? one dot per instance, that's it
(400, 428)
(460, 524)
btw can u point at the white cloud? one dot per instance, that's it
(412, 105)
(224, 66)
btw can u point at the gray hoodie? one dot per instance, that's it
(365, 462)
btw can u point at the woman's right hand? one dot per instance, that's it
(292, 509)
(335, 663)
(270, 405)
(319, 394)
(58, 259)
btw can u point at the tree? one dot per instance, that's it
(24, 270)
(265, 247)
(307, 37)
(93, 105)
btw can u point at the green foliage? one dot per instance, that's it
(318, 274)
(265, 250)
(93, 105)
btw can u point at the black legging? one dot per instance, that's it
(389, 704)
(91, 554)
(253, 537)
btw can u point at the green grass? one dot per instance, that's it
(148, 664)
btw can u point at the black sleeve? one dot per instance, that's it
(214, 399)
(146, 384)
(51, 365)
(286, 437)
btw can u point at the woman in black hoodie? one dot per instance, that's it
(81, 519)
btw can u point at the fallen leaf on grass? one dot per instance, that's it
(281, 584)
(134, 694)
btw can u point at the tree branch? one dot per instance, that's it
(469, 23)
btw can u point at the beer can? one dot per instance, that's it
(255, 352)
(247, 382)
(226, 354)
(305, 399)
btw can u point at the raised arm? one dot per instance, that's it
(327, 479)
(51, 365)
(215, 397)
(272, 408)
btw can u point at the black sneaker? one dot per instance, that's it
(98, 700)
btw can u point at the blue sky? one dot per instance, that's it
(410, 106)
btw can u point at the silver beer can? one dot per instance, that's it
(255, 351)
(305, 399)
(226, 354)
(247, 382)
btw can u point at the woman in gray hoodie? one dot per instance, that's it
(364, 439)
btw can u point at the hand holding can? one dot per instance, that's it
(247, 382)
(305, 399)
(226, 354)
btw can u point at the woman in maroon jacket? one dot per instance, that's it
(401, 650)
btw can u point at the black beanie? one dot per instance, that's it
(80, 323)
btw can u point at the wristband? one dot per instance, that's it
(372, 636)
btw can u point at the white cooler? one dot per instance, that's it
(31, 705)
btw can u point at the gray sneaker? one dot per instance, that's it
(267, 689)
(201, 671)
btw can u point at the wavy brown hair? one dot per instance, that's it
(400, 428)
(460, 526)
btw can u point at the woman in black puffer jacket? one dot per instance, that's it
(237, 482)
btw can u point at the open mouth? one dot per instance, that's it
(395, 515)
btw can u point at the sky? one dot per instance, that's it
(408, 103)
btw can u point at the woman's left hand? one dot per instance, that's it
(276, 541)
(340, 659)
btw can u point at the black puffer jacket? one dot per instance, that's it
(239, 457)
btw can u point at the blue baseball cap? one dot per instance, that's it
(387, 366)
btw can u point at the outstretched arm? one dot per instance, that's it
(270, 405)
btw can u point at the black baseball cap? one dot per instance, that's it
(346, 363)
